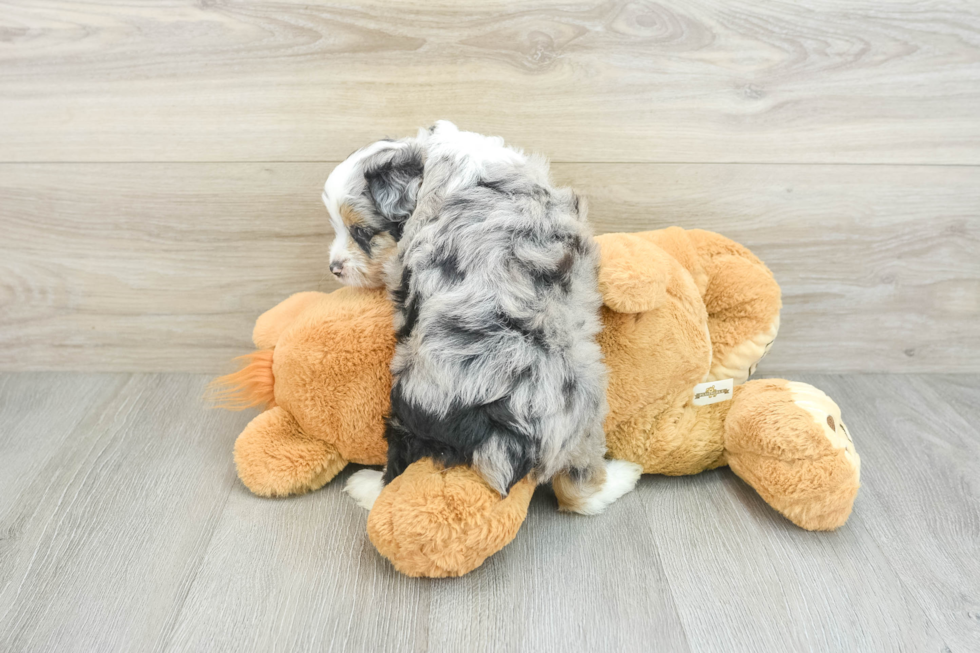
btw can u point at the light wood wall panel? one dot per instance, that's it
(160, 161)
(676, 80)
(165, 266)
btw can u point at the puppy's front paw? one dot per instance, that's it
(364, 487)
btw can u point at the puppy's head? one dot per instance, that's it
(369, 197)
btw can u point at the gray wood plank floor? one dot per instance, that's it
(123, 527)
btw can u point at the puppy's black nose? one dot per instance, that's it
(337, 268)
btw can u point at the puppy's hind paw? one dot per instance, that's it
(364, 487)
(593, 494)
(621, 477)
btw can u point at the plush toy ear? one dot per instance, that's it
(393, 178)
(633, 273)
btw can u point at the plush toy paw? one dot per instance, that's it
(788, 442)
(826, 414)
(364, 487)
(276, 458)
(740, 361)
(436, 522)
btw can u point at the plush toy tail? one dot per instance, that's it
(250, 386)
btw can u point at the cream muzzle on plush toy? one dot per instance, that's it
(685, 311)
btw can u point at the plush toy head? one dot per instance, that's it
(321, 373)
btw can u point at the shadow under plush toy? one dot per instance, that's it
(684, 312)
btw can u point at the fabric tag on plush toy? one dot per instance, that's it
(713, 391)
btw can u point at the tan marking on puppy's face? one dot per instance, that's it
(383, 248)
(348, 261)
(359, 251)
(350, 216)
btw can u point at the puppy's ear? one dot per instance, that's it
(393, 179)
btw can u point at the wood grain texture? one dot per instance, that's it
(320, 585)
(282, 80)
(160, 272)
(26, 442)
(164, 267)
(746, 579)
(920, 446)
(103, 537)
(123, 527)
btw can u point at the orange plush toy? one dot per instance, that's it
(687, 316)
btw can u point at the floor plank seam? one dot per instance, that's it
(670, 583)
(167, 635)
(56, 512)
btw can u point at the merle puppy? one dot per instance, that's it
(492, 271)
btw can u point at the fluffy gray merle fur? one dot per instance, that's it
(493, 273)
